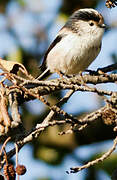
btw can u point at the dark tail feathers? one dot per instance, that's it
(44, 73)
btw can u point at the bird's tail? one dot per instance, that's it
(45, 73)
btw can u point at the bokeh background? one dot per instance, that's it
(27, 27)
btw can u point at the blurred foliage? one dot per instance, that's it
(109, 164)
(114, 60)
(44, 179)
(3, 4)
(52, 148)
(114, 57)
(69, 6)
(92, 174)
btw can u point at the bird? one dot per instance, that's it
(76, 45)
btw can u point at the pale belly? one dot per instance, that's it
(77, 64)
(71, 56)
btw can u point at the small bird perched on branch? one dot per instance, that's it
(76, 45)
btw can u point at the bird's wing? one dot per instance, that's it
(43, 68)
(57, 40)
(45, 71)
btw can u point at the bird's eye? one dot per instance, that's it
(91, 23)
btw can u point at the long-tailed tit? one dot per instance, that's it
(76, 45)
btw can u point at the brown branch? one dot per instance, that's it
(86, 78)
(30, 136)
(46, 123)
(3, 146)
(62, 101)
(14, 110)
(22, 90)
(47, 87)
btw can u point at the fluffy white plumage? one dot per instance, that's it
(71, 55)
(78, 45)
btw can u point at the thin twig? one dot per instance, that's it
(30, 136)
(14, 109)
(16, 147)
(91, 163)
(109, 68)
(54, 107)
(3, 146)
(62, 101)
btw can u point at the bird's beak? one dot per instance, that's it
(103, 26)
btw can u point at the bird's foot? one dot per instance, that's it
(59, 73)
(69, 76)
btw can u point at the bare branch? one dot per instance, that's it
(91, 163)
(23, 89)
